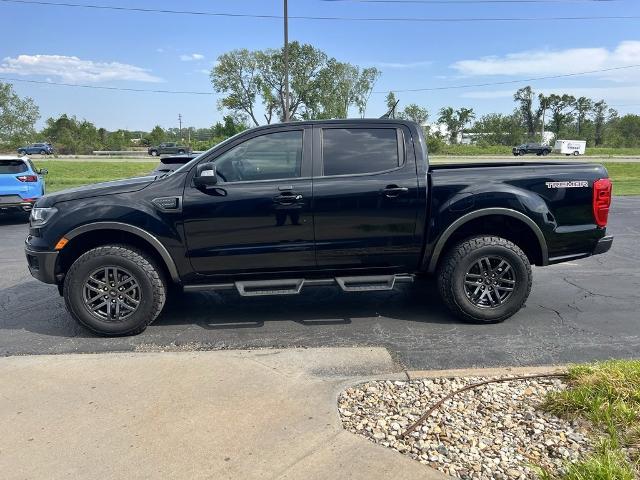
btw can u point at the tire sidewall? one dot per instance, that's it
(74, 287)
(513, 303)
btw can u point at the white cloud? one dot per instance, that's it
(558, 62)
(191, 57)
(73, 69)
(400, 65)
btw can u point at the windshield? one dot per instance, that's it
(12, 166)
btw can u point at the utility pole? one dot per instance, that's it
(286, 62)
(180, 123)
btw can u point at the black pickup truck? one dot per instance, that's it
(168, 148)
(536, 148)
(280, 208)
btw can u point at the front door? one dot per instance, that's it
(366, 198)
(258, 217)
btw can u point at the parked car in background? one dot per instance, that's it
(570, 147)
(285, 207)
(36, 148)
(536, 148)
(168, 148)
(21, 184)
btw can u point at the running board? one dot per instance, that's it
(293, 286)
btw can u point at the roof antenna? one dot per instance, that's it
(392, 111)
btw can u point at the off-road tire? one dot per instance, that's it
(181, 152)
(453, 269)
(153, 153)
(148, 275)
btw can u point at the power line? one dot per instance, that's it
(102, 87)
(425, 89)
(507, 82)
(324, 18)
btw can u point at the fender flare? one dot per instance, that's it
(139, 232)
(437, 250)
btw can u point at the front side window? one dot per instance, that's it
(359, 150)
(267, 157)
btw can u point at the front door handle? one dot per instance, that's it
(392, 191)
(288, 198)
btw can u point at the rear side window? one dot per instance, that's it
(13, 166)
(348, 151)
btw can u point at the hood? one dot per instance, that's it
(97, 189)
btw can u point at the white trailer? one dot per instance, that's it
(570, 147)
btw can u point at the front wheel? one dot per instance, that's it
(521, 152)
(485, 279)
(154, 153)
(114, 290)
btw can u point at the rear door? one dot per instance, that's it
(258, 217)
(366, 200)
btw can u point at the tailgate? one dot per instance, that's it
(10, 186)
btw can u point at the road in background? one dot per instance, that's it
(577, 311)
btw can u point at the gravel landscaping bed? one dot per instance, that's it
(493, 431)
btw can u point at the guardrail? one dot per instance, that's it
(118, 153)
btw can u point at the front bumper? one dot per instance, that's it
(42, 265)
(603, 245)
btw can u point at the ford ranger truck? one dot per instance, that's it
(281, 208)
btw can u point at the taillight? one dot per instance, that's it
(601, 201)
(27, 178)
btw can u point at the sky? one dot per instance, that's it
(156, 51)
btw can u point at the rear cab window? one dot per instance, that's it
(354, 151)
(12, 166)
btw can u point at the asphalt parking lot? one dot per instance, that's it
(578, 311)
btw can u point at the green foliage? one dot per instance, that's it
(606, 463)
(17, 117)
(455, 120)
(607, 394)
(72, 136)
(498, 129)
(415, 113)
(320, 86)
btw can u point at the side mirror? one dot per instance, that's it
(205, 176)
(43, 171)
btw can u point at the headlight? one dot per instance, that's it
(40, 216)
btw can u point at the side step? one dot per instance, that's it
(293, 286)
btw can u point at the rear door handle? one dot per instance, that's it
(393, 191)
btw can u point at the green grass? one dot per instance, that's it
(625, 177)
(607, 394)
(64, 174)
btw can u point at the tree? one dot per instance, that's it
(455, 120)
(156, 136)
(558, 105)
(236, 74)
(415, 113)
(18, 117)
(498, 129)
(524, 97)
(72, 136)
(598, 111)
(391, 102)
(582, 106)
(320, 87)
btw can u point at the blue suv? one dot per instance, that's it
(21, 184)
(41, 148)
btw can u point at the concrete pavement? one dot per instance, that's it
(225, 414)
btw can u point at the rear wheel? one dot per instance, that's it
(545, 152)
(181, 152)
(114, 290)
(576, 153)
(485, 279)
(43, 152)
(154, 153)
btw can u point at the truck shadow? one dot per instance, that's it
(14, 218)
(320, 306)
